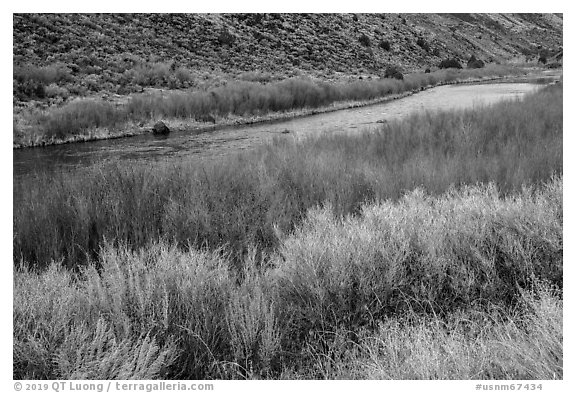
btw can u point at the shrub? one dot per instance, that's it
(421, 42)
(385, 44)
(542, 59)
(364, 40)
(156, 313)
(226, 38)
(256, 76)
(150, 74)
(450, 63)
(554, 65)
(470, 345)
(97, 353)
(31, 81)
(254, 19)
(54, 73)
(183, 75)
(78, 116)
(470, 279)
(53, 91)
(451, 251)
(393, 72)
(473, 62)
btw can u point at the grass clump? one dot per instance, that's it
(155, 313)
(526, 343)
(78, 117)
(424, 254)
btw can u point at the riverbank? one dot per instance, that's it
(241, 199)
(140, 120)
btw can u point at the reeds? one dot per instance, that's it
(457, 286)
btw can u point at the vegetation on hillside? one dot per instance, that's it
(79, 77)
(122, 53)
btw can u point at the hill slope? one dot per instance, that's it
(122, 52)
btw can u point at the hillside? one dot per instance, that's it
(61, 55)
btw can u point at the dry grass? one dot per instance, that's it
(457, 286)
(254, 198)
(525, 344)
(430, 249)
(467, 248)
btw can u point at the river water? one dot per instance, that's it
(184, 146)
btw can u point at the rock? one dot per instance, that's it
(160, 129)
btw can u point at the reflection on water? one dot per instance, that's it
(186, 146)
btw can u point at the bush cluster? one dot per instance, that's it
(457, 278)
(364, 40)
(473, 62)
(450, 63)
(393, 72)
(31, 82)
(422, 43)
(385, 44)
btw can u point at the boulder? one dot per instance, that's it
(160, 128)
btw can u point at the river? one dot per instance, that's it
(209, 145)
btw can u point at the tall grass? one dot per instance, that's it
(78, 117)
(242, 98)
(524, 344)
(154, 313)
(423, 254)
(457, 286)
(255, 199)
